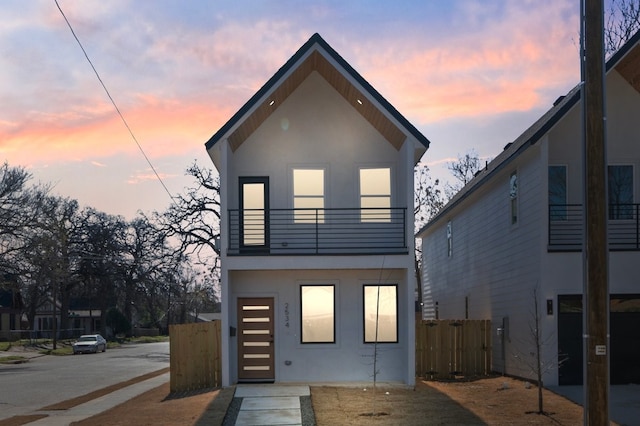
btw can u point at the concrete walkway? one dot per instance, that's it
(270, 404)
(98, 405)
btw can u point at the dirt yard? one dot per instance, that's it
(489, 401)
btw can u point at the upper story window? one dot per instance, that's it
(308, 195)
(513, 197)
(375, 194)
(620, 192)
(558, 192)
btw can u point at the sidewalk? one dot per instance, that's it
(270, 404)
(98, 405)
(27, 354)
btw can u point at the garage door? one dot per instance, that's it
(624, 328)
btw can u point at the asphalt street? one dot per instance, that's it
(50, 379)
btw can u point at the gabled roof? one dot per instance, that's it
(317, 55)
(626, 61)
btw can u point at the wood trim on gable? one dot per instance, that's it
(629, 68)
(317, 62)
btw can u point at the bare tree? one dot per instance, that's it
(428, 201)
(194, 217)
(622, 22)
(20, 205)
(465, 168)
(533, 359)
(101, 267)
(145, 253)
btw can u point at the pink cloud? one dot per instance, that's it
(148, 175)
(487, 65)
(163, 128)
(508, 65)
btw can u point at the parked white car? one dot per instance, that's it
(88, 343)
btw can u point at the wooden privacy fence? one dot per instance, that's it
(448, 348)
(195, 356)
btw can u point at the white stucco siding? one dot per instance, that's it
(316, 127)
(348, 359)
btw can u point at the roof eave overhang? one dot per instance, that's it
(317, 55)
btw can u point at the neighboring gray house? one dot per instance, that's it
(517, 226)
(10, 313)
(82, 320)
(316, 174)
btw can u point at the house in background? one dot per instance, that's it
(316, 173)
(10, 313)
(83, 319)
(517, 226)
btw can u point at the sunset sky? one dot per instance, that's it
(467, 73)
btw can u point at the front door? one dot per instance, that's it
(254, 214)
(255, 339)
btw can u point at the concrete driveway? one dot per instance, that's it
(624, 401)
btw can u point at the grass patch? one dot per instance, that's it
(4, 346)
(13, 359)
(148, 339)
(60, 350)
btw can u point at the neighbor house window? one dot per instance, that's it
(620, 192)
(45, 323)
(308, 195)
(513, 197)
(317, 313)
(558, 192)
(449, 240)
(380, 313)
(375, 194)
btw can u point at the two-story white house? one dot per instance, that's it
(317, 246)
(517, 226)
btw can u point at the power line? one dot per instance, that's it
(113, 102)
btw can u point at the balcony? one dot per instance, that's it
(317, 231)
(566, 227)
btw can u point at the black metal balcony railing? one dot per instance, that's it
(566, 227)
(317, 231)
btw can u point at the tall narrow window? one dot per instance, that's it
(449, 240)
(558, 192)
(513, 197)
(253, 214)
(380, 313)
(254, 210)
(375, 195)
(620, 192)
(317, 313)
(308, 195)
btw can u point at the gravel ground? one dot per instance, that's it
(308, 416)
(232, 412)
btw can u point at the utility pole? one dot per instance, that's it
(55, 315)
(595, 248)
